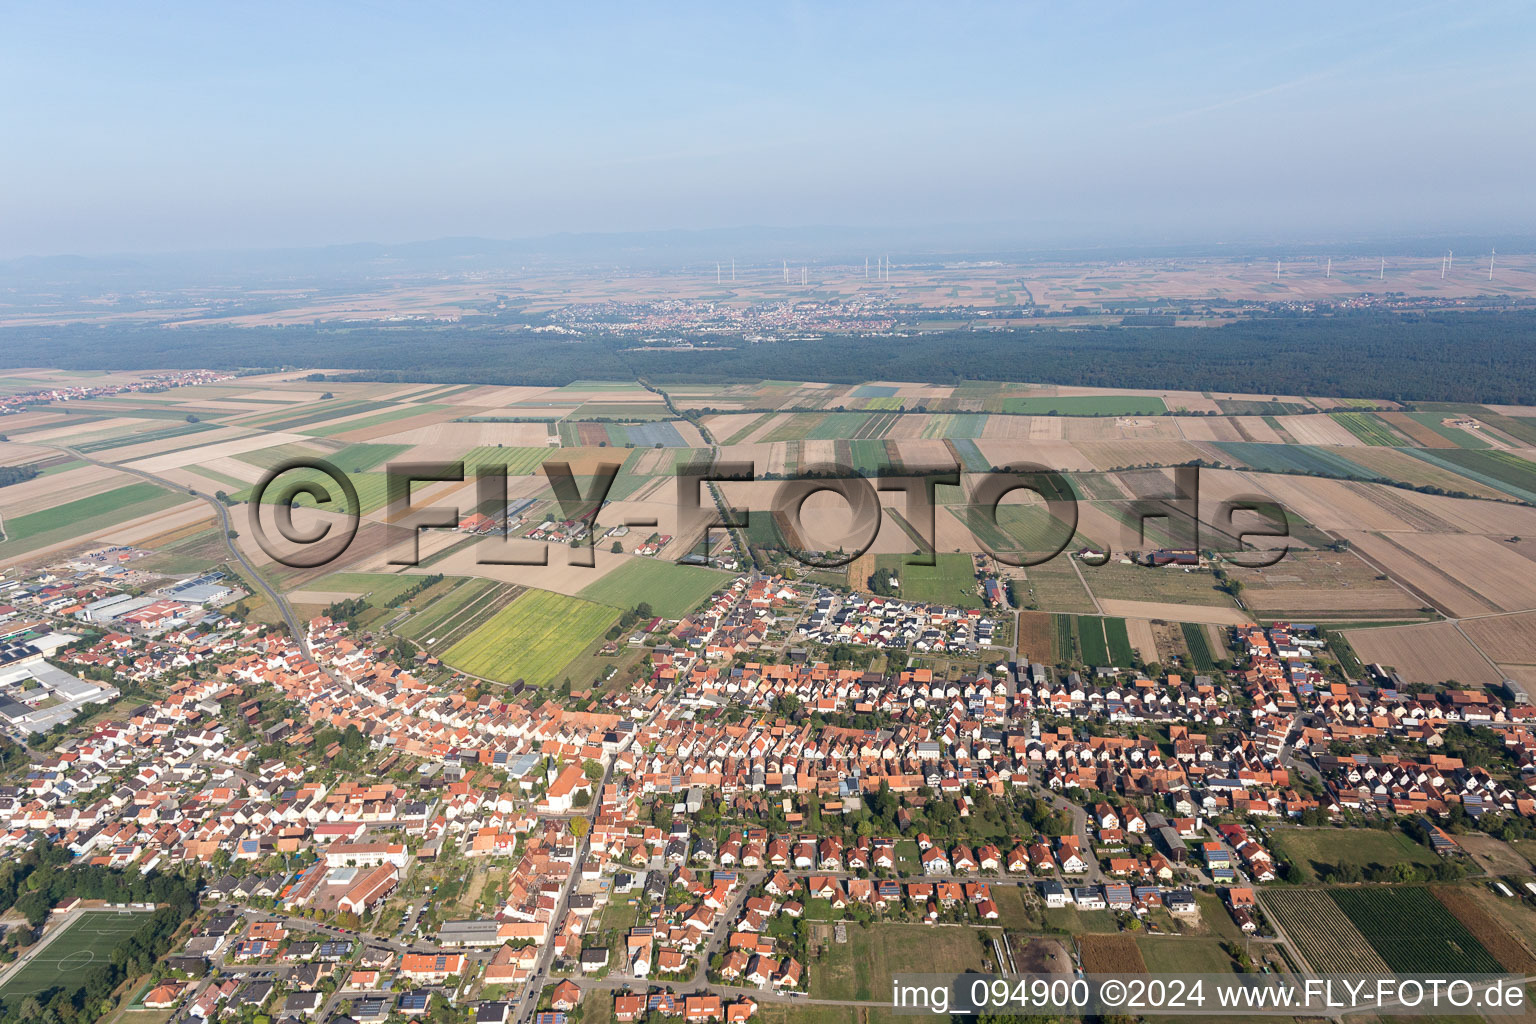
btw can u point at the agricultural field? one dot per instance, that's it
(1430, 653)
(1308, 460)
(1170, 954)
(1325, 585)
(69, 955)
(671, 590)
(83, 518)
(1317, 851)
(1086, 405)
(425, 624)
(952, 581)
(1199, 648)
(1367, 427)
(1090, 640)
(1414, 932)
(1321, 932)
(1508, 472)
(862, 967)
(71, 513)
(1037, 636)
(1111, 954)
(1054, 586)
(1165, 585)
(1489, 918)
(531, 639)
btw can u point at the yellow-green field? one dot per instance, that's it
(532, 639)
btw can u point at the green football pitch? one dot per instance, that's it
(62, 963)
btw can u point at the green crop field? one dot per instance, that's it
(123, 440)
(1087, 405)
(1503, 470)
(970, 455)
(1064, 635)
(835, 425)
(1199, 649)
(65, 960)
(1090, 634)
(1368, 428)
(671, 590)
(1295, 458)
(360, 458)
(388, 416)
(85, 515)
(1119, 643)
(372, 489)
(532, 639)
(425, 623)
(1318, 851)
(951, 581)
(519, 461)
(1414, 932)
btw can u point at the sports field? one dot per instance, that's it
(532, 639)
(64, 960)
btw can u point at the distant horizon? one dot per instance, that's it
(229, 128)
(912, 241)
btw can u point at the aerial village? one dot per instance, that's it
(377, 840)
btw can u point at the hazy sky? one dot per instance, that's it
(213, 125)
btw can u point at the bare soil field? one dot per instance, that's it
(1143, 639)
(1424, 578)
(1121, 428)
(1499, 519)
(1494, 570)
(1062, 456)
(223, 449)
(1037, 636)
(1417, 431)
(138, 531)
(1208, 428)
(1494, 855)
(1108, 455)
(1322, 581)
(1430, 653)
(377, 430)
(1505, 638)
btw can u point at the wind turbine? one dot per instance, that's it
(1329, 272)
(1491, 254)
(717, 273)
(733, 271)
(1382, 274)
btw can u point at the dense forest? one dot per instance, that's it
(1449, 357)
